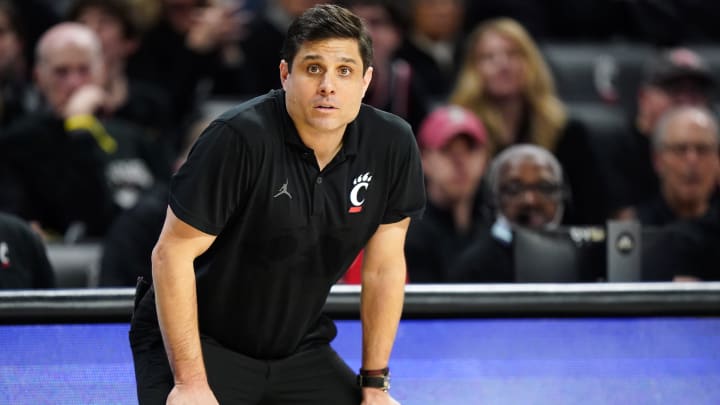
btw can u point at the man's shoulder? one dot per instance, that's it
(382, 124)
(249, 119)
(13, 226)
(253, 108)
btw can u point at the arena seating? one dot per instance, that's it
(606, 73)
(75, 265)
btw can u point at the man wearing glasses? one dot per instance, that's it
(526, 189)
(678, 77)
(685, 156)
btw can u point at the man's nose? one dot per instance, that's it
(692, 154)
(327, 84)
(76, 79)
(530, 197)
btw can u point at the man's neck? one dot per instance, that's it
(686, 209)
(324, 145)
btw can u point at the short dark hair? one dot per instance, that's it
(326, 21)
(119, 9)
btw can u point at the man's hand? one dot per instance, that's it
(375, 396)
(195, 394)
(216, 26)
(86, 100)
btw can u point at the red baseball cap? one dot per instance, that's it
(445, 123)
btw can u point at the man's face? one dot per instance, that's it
(530, 195)
(109, 29)
(687, 162)
(10, 46)
(654, 101)
(454, 171)
(326, 86)
(63, 69)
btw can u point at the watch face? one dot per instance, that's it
(381, 382)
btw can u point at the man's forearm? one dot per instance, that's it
(381, 307)
(176, 302)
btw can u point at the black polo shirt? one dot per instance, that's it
(286, 231)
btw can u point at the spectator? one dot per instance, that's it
(505, 81)
(392, 88)
(37, 16)
(15, 95)
(181, 51)
(678, 77)
(526, 190)
(261, 48)
(141, 103)
(432, 45)
(685, 155)
(452, 144)
(23, 260)
(68, 165)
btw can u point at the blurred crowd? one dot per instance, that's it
(101, 100)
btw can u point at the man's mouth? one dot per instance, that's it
(692, 178)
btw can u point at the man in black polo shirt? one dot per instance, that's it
(276, 199)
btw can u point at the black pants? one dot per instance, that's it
(314, 376)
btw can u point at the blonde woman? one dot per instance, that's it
(505, 81)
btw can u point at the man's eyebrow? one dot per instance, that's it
(348, 60)
(315, 57)
(311, 57)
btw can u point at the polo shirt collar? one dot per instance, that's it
(292, 137)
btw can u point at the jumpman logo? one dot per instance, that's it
(283, 190)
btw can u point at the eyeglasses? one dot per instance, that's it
(544, 189)
(700, 149)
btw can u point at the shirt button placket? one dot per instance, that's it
(318, 196)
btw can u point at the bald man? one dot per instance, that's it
(70, 169)
(685, 157)
(69, 70)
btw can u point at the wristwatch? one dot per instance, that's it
(374, 379)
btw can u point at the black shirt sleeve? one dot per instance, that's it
(207, 189)
(407, 190)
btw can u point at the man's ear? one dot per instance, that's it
(367, 78)
(284, 72)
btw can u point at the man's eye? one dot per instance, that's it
(61, 71)
(313, 69)
(345, 71)
(511, 189)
